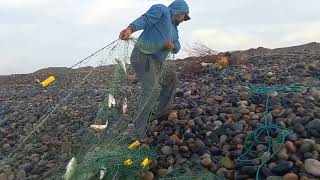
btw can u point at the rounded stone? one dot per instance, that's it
(206, 161)
(244, 95)
(312, 166)
(291, 147)
(163, 172)
(290, 176)
(184, 149)
(3, 176)
(166, 150)
(175, 138)
(227, 163)
(187, 94)
(305, 147)
(191, 123)
(173, 116)
(274, 178)
(6, 146)
(223, 138)
(147, 175)
(170, 160)
(21, 175)
(217, 123)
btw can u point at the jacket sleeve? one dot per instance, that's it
(177, 46)
(152, 16)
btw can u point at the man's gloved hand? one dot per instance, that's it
(169, 45)
(126, 33)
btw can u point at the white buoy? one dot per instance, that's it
(71, 168)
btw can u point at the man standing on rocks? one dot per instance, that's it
(159, 38)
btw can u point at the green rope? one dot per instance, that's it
(256, 136)
(259, 133)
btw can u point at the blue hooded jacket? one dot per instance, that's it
(159, 29)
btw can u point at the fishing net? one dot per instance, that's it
(75, 139)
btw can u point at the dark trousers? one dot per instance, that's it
(158, 84)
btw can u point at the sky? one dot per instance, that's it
(35, 34)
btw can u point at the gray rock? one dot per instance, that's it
(223, 138)
(249, 170)
(305, 147)
(236, 126)
(27, 167)
(307, 155)
(218, 123)
(206, 161)
(244, 111)
(313, 127)
(293, 137)
(21, 175)
(282, 167)
(42, 162)
(166, 150)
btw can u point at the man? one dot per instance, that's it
(160, 36)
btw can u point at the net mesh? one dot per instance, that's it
(73, 139)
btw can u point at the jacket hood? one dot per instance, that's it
(179, 6)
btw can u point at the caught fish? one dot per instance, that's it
(111, 101)
(99, 128)
(122, 65)
(71, 168)
(204, 64)
(102, 173)
(125, 106)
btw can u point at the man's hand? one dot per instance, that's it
(169, 45)
(126, 33)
